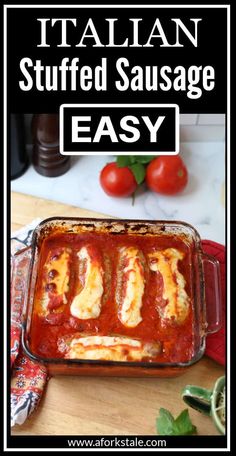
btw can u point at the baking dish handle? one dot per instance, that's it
(20, 258)
(19, 272)
(212, 277)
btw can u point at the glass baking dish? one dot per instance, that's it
(206, 309)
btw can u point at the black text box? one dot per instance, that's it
(119, 129)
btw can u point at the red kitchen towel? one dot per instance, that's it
(215, 343)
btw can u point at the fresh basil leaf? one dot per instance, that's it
(165, 422)
(128, 160)
(133, 159)
(144, 158)
(123, 160)
(183, 424)
(138, 171)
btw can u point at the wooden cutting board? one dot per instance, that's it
(102, 406)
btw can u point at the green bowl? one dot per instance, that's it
(206, 401)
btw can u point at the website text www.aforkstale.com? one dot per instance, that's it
(102, 442)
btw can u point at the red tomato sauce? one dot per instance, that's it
(177, 339)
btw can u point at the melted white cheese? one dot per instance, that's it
(59, 263)
(178, 302)
(87, 304)
(130, 308)
(111, 348)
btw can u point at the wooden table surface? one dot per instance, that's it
(102, 405)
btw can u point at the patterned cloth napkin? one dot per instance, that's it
(29, 378)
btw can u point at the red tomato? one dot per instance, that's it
(117, 181)
(167, 175)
